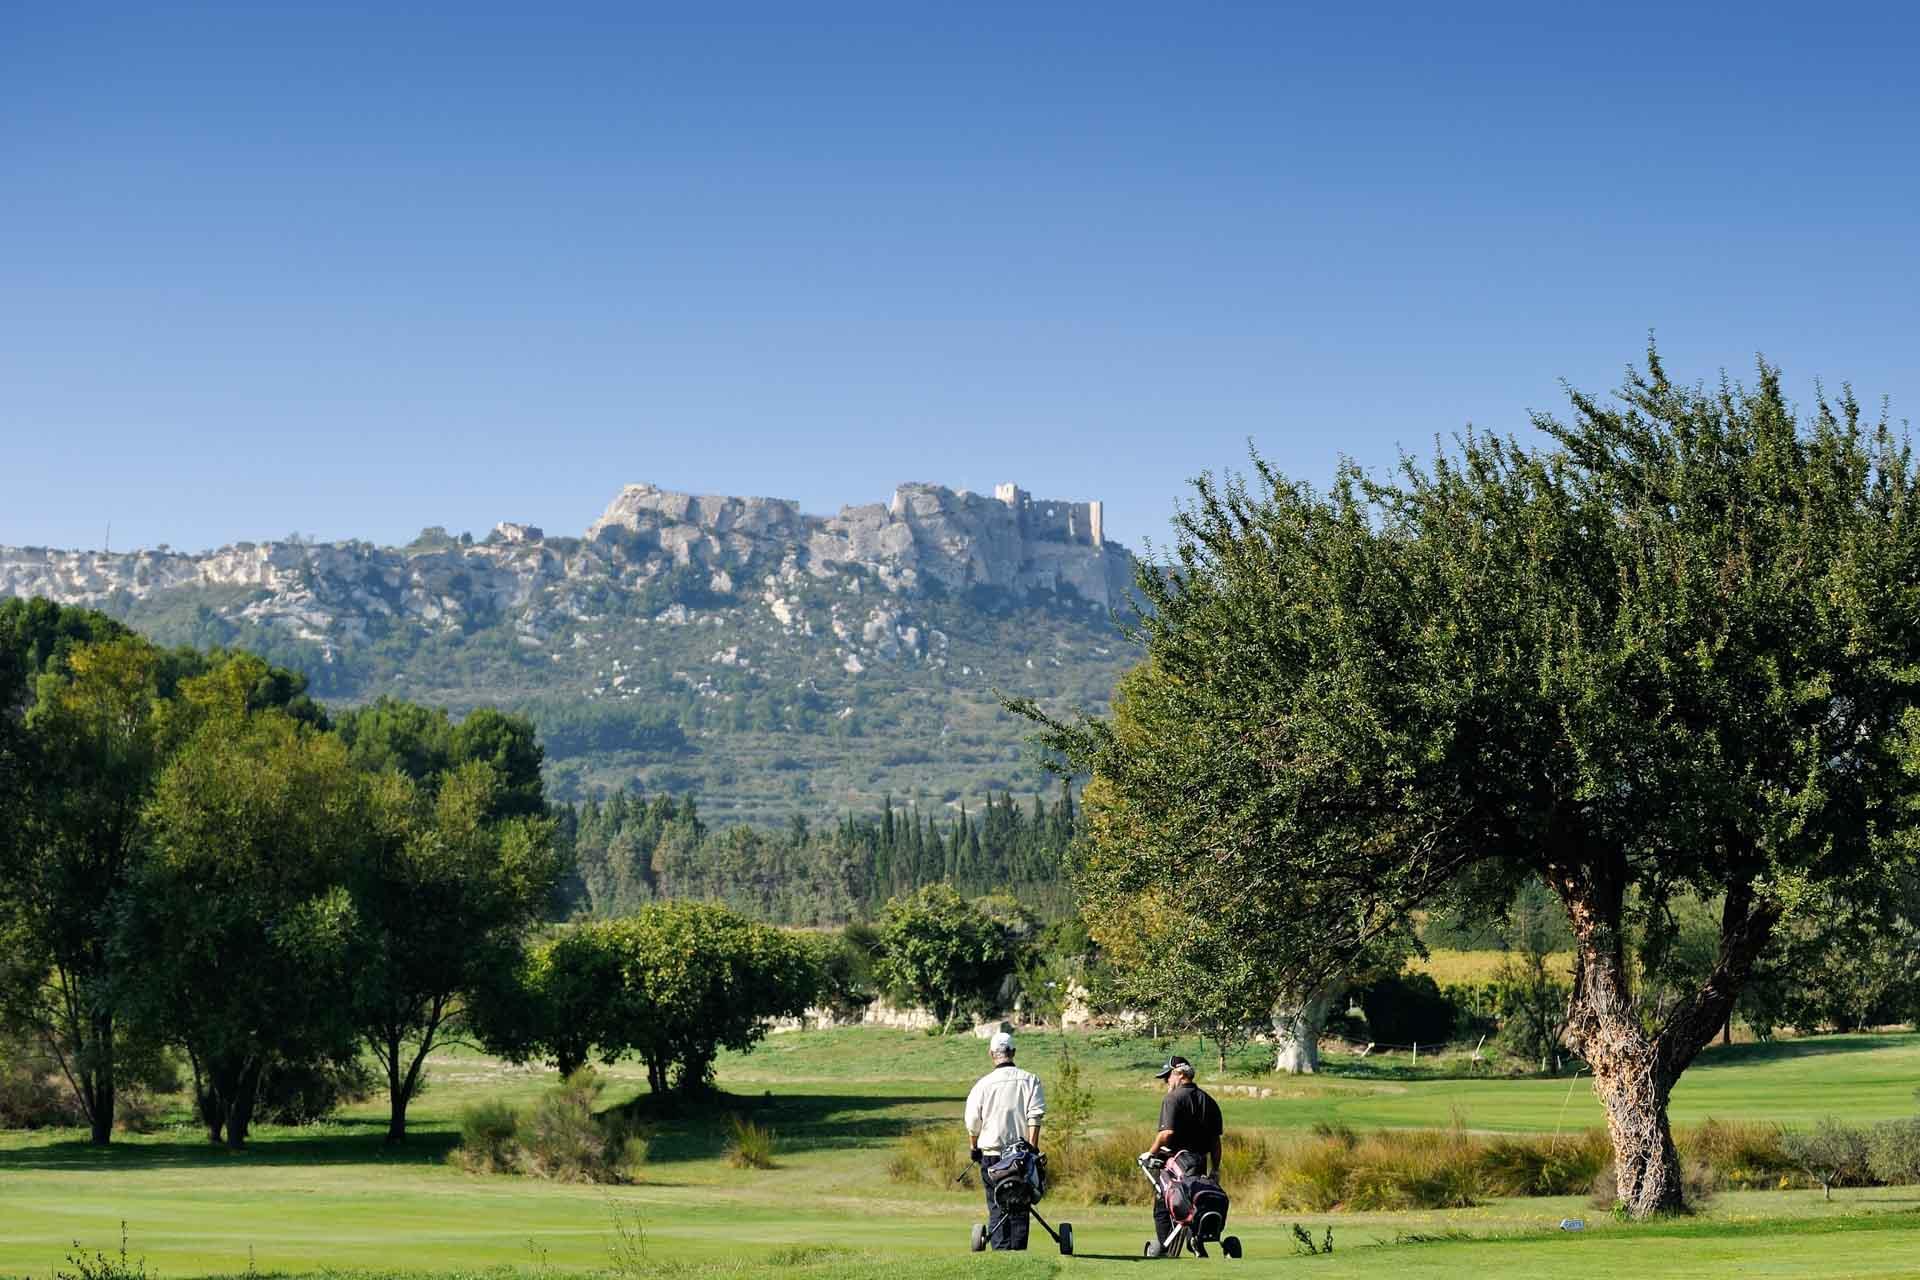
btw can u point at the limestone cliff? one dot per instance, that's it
(926, 539)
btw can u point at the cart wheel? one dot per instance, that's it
(979, 1242)
(1066, 1239)
(1231, 1246)
(1153, 1249)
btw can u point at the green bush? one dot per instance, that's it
(1740, 1156)
(559, 1137)
(1893, 1152)
(488, 1138)
(1408, 1009)
(1560, 1166)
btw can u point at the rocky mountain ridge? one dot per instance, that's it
(927, 538)
(776, 663)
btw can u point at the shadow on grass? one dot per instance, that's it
(677, 1130)
(337, 1142)
(1758, 1052)
(696, 1129)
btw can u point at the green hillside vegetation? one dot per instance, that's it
(787, 731)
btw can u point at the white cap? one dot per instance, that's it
(1002, 1042)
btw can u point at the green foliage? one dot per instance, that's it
(308, 1090)
(489, 1138)
(844, 962)
(672, 984)
(101, 1266)
(239, 920)
(449, 875)
(631, 850)
(1069, 1103)
(1407, 1009)
(1669, 652)
(942, 953)
(1893, 1152)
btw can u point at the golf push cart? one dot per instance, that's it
(1018, 1179)
(1196, 1204)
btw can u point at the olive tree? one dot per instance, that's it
(672, 985)
(1672, 649)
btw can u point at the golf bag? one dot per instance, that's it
(1194, 1200)
(1018, 1178)
(1195, 1203)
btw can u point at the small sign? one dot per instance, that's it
(1573, 1224)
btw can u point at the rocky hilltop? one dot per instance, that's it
(684, 640)
(927, 538)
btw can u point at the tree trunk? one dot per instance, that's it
(100, 1080)
(244, 1091)
(1296, 1030)
(396, 1116)
(1634, 1068)
(1634, 1090)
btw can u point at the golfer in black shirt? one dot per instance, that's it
(1189, 1122)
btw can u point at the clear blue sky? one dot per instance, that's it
(353, 269)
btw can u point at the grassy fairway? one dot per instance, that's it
(334, 1197)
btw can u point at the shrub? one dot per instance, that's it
(1101, 1170)
(749, 1145)
(1832, 1153)
(488, 1133)
(306, 1092)
(1893, 1152)
(31, 1098)
(559, 1137)
(1408, 1009)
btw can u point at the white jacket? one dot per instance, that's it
(1003, 1105)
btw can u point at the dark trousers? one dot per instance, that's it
(1004, 1230)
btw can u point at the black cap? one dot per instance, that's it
(1175, 1063)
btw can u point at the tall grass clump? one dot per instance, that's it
(1739, 1155)
(932, 1157)
(559, 1137)
(1560, 1166)
(488, 1138)
(749, 1145)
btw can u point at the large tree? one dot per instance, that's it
(1674, 649)
(96, 738)
(443, 893)
(238, 932)
(942, 953)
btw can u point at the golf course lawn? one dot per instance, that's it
(333, 1197)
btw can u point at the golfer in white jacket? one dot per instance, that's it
(1005, 1105)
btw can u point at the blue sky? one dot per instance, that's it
(351, 270)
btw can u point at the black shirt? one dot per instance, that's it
(1194, 1118)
